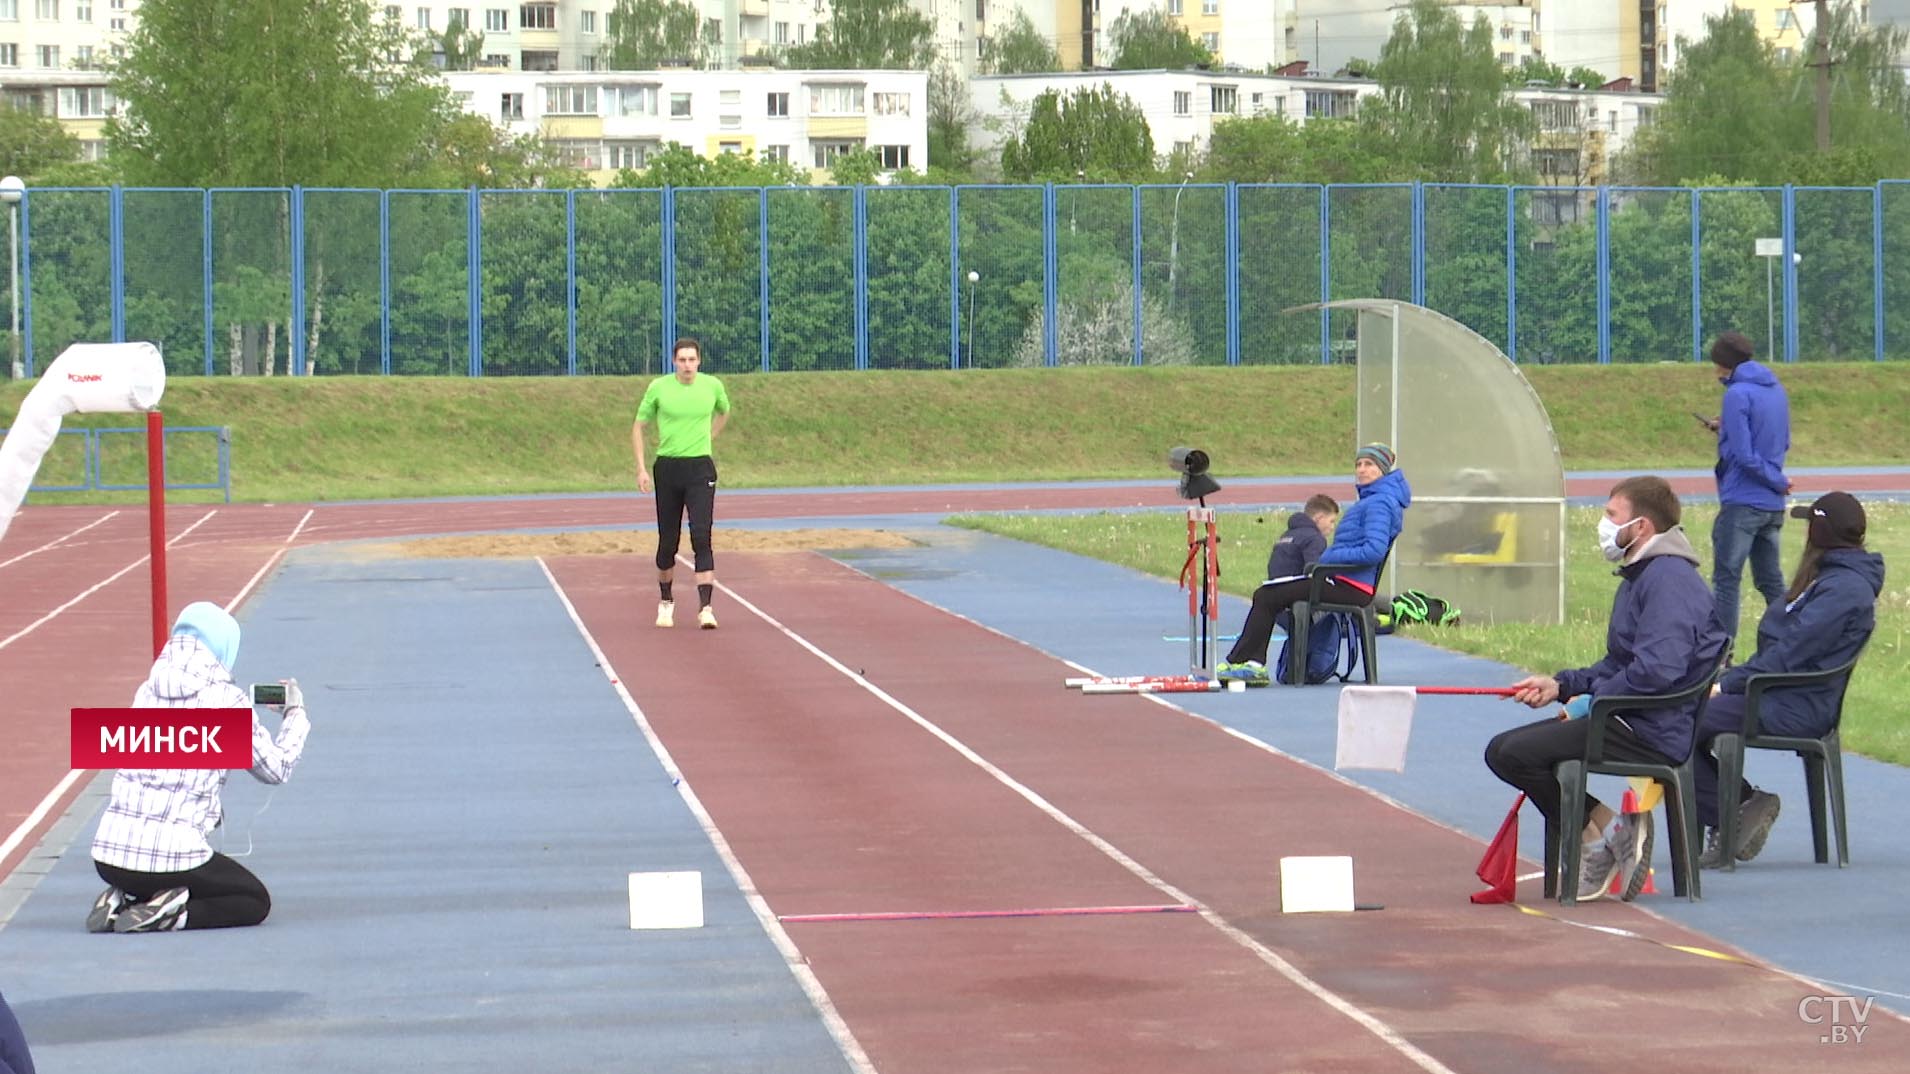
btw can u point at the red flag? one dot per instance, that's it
(1500, 866)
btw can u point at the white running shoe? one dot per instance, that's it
(706, 618)
(666, 613)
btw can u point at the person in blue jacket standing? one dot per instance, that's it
(1363, 536)
(1754, 434)
(1819, 623)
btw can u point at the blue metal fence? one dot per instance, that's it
(476, 282)
(81, 460)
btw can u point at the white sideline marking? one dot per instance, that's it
(1292, 973)
(58, 540)
(97, 586)
(260, 573)
(39, 812)
(792, 957)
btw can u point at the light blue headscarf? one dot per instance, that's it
(212, 625)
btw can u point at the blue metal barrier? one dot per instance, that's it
(93, 467)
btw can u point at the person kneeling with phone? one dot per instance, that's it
(152, 846)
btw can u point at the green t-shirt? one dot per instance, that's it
(682, 413)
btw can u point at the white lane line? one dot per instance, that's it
(58, 540)
(261, 572)
(39, 812)
(792, 957)
(1371, 1023)
(96, 587)
(309, 512)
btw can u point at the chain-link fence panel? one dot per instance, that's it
(812, 312)
(1896, 269)
(1466, 235)
(1370, 253)
(912, 318)
(430, 282)
(719, 276)
(1184, 274)
(164, 265)
(620, 282)
(1650, 259)
(525, 306)
(1737, 288)
(1001, 275)
(344, 310)
(252, 282)
(69, 285)
(1279, 269)
(1555, 233)
(1094, 288)
(1836, 274)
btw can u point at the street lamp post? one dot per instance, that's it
(11, 190)
(973, 278)
(1173, 239)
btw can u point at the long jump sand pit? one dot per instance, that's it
(631, 542)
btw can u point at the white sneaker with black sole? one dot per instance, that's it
(164, 912)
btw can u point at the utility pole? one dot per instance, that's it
(1820, 59)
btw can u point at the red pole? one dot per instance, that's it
(156, 521)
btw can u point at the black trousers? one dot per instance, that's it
(1271, 600)
(685, 484)
(222, 894)
(1525, 756)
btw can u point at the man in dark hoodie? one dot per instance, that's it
(1754, 433)
(1662, 639)
(1820, 623)
(1305, 539)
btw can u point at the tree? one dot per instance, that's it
(878, 34)
(1099, 133)
(1019, 48)
(272, 93)
(1274, 149)
(1535, 68)
(1443, 103)
(1723, 112)
(1148, 40)
(950, 115)
(1585, 77)
(462, 45)
(640, 35)
(32, 144)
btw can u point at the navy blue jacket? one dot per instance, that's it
(1663, 638)
(1821, 629)
(1754, 433)
(1300, 545)
(1368, 528)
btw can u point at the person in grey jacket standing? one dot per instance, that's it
(1754, 434)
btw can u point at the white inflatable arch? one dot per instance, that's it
(87, 378)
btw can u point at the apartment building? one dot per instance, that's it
(1578, 131)
(1329, 33)
(572, 35)
(604, 122)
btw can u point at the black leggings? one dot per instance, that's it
(222, 894)
(685, 483)
(1270, 600)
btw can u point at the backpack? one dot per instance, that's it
(1416, 606)
(1332, 639)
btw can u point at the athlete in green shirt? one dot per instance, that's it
(689, 410)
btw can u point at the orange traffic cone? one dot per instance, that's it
(1629, 804)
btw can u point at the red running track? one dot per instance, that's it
(835, 800)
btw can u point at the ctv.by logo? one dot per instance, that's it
(1841, 1018)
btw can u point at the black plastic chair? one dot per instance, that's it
(1303, 611)
(1562, 854)
(1823, 759)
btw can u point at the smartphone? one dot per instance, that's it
(1702, 420)
(268, 693)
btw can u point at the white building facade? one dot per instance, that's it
(607, 121)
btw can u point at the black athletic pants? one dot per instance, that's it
(1525, 757)
(1270, 600)
(222, 894)
(685, 484)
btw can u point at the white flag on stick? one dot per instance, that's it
(1375, 724)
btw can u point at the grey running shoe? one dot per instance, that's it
(1713, 856)
(106, 910)
(164, 912)
(1631, 840)
(1755, 818)
(1594, 870)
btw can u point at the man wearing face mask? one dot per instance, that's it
(1754, 434)
(1663, 638)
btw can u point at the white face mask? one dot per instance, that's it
(1608, 532)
